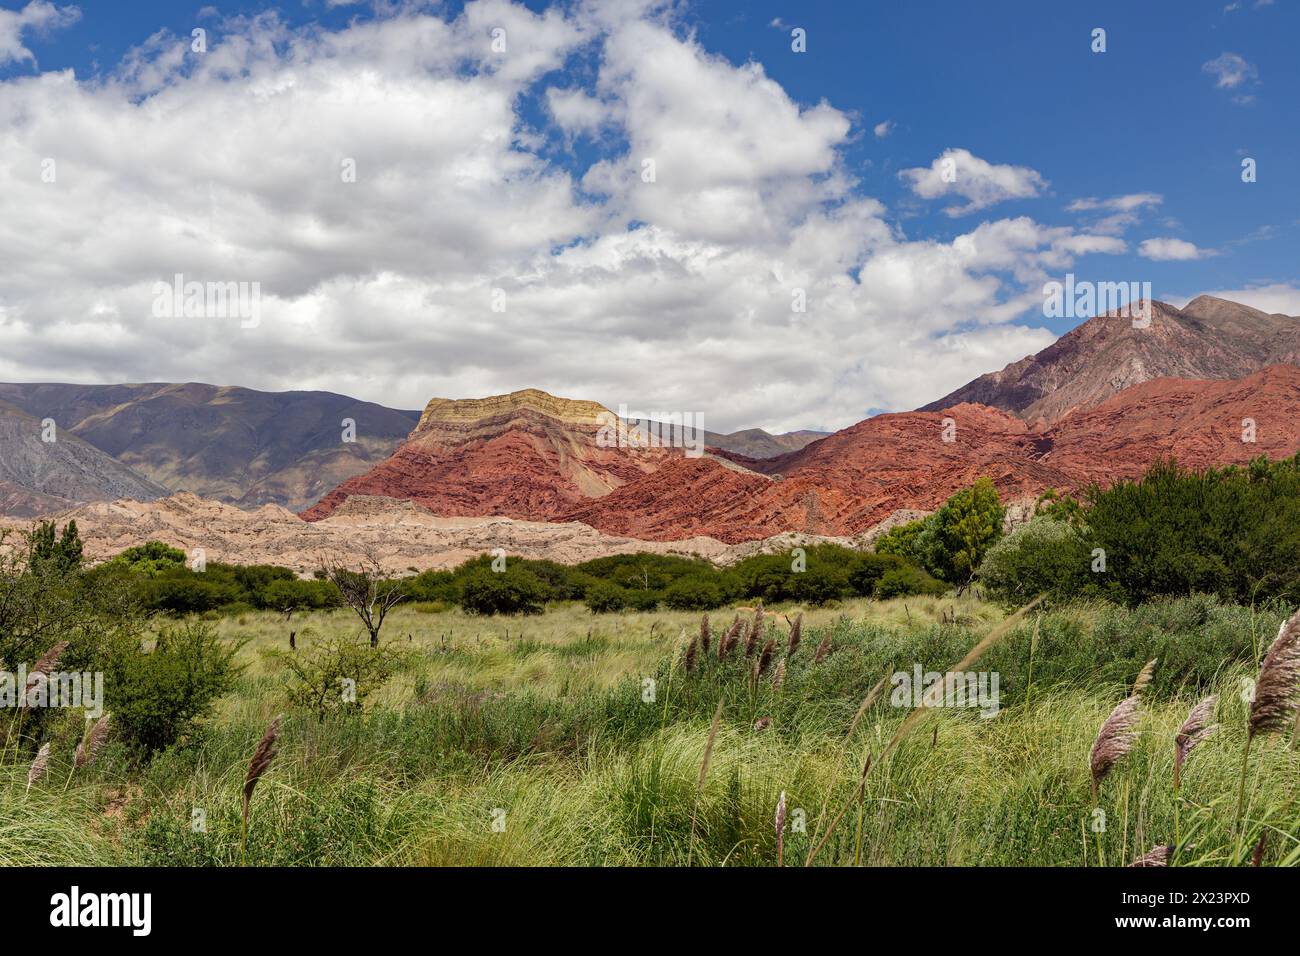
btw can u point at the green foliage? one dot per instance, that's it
(604, 597)
(1232, 532)
(182, 591)
(1065, 508)
(150, 559)
(337, 673)
(300, 595)
(158, 696)
(694, 594)
(821, 575)
(951, 542)
(432, 586)
(512, 591)
(962, 531)
(1045, 556)
(65, 553)
(900, 540)
(905, 580)
(48, 600)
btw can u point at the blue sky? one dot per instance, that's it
(1184, 91)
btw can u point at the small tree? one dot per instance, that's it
(337, 674)
(364, 588)
(64, 553)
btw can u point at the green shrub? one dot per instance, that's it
(336, 674)
(300, 595)
(150, 559)
(185, 592)
(905, 580)
(512, 591)
(694, 594)
(604, 598)
(951, 543)
(158, 696)
(1044, 556)
(643, 600)
(1234, 532)
(433, 586)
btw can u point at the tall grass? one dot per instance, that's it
(473, 757)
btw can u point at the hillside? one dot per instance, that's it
(232, 444)
(1209, 338)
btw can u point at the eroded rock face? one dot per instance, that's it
(524, 455)
(1198, 423)
(520, 458)
(841, 486)
(405, 537)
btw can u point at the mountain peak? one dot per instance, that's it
(1211, 338)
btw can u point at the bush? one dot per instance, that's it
(604, 597)
(821, 574)
(1234, 532)
(185, 592)
(337, 674)
(951, 543)
(151, 558)
(904, 580)
(157, 697)
(694, 594)
(300, 595)
(1045, 556)
(643, 600)
(869, 569)
(512, 591)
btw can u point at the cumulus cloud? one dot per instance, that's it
(39, 16)
(1171, 250)
(393, 192)
(883, 128)
(958, 172)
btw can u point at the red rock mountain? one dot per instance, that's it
(530, 455)
(1207, 339)
(523, 455)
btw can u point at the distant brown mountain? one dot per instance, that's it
(1209, 338)
(39, 476)
(236, 445)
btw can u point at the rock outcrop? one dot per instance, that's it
(525, 455)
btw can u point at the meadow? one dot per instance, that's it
(569, 738)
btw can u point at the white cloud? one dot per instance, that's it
(672, 294)
(1120, 212)
(958, 172)
(1230, 71)
(1172, 250)
(883, 128)
(39, 16)
(575, 111)
(1125, 203)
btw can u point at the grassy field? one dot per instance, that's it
(529, 741)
